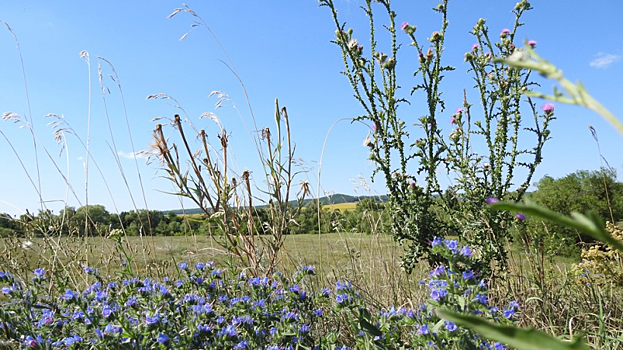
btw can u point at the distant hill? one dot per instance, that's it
(337, 198)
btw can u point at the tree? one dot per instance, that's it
(581, 191)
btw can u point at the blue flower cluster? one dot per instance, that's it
(452, 286)
(210, 308)
(202, 309)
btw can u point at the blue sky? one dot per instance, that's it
(281, 49)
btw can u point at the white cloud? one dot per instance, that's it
(604, 60)
(132, 155)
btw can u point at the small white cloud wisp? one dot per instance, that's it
(132, 155)
(604, 60)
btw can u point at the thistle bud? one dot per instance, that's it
(435, 37)
(389, 64)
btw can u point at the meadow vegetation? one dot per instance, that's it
(476, 265)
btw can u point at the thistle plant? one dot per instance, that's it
(411, 159)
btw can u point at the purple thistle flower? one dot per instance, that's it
(505, 32)
(532, 43)
(548, 107)
(404, 25)
(492, 200)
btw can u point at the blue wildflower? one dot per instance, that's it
(163, 338)
(467, 275)
(436, 241)
(450, 326)
(466, 251)
(39, 273)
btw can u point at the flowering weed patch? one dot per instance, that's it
(208, 307)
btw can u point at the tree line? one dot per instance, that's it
(94, 220)
(581, 191)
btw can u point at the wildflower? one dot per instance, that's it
(450, 326)
(481, 298)
(69, 295)
(532, 43)
(73, 339)
(548, 108)
(508, 313)
(436, 241)
(199, 266)
(106, 311)
(437, 294)
(475, 47)
(229, 331)
(39, 273)
(30, 341)
(438, 271)
(149, 320)
(452, 120)
(467, 275)
(341, 298)
(304, 329)
(453, 245)
(499, 346)
(422, 330)
(242, 345)
(409, 29)
(183, 265)
(308, 269)
(514, 304)
(436, 36)
(492, 200)
(339, 285)
(466, 251)
(520, 216)
(504, 32)
(163, 338)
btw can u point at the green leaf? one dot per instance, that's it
(521, 339)
(590, 224)
(369, 327)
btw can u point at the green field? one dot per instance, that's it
(340, 206)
